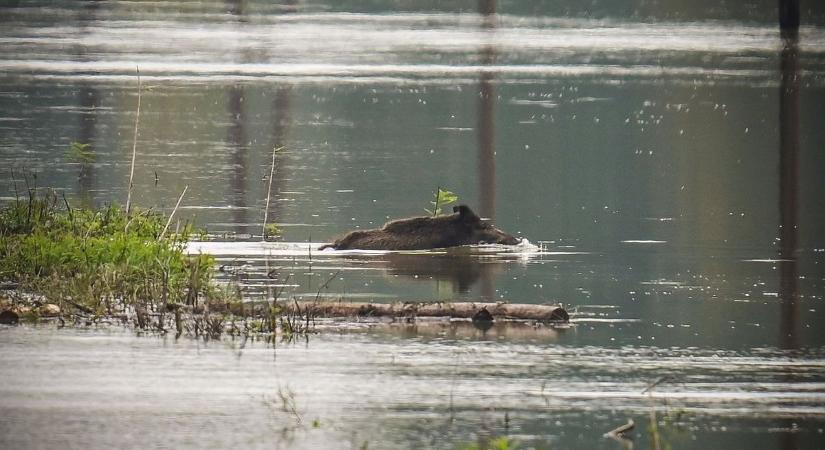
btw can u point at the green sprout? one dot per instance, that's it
(442, 198)
(80, 153)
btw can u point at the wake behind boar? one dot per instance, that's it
(463, 227)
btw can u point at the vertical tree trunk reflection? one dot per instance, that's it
(280, 125)
(89, 103)
(789, 187)
(236, 140)
(487, 132)
(486, 119)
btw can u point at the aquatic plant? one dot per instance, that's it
(288, 403)
(442, 198)
(271, 231)
(99, 261)
(80, 153)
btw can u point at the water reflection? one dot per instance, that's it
(89, 99)
(486, 116)
(789, 185)
(466, 330)
(281, 119)
(789, 189)
(235, 8)
(456, 272)
(237, 135)
(238, 163)
(89, 102)
(487, 129)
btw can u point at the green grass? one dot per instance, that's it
(495, 443)
(99, 261)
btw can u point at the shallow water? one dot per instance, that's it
(395, 388)
(664, 163)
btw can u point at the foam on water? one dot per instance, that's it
(309, 249)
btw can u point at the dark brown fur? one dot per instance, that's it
(463, 227)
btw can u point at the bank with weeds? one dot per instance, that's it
(102, 263)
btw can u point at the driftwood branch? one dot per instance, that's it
(465, 310)
(622, 429)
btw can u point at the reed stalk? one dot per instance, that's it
(269, 191)
(134, 146)
(173, 212)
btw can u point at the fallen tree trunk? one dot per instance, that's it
(465, 310)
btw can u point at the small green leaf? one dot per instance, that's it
(80, 153)
(443, 197)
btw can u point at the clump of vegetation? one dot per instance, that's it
(442, 198)
(80, 153)
(99, 262)
(494, 443)
(272, 231)
(107, 263)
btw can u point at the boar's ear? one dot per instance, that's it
(466, 214)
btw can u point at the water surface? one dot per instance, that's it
(395, 388)
(664, 163)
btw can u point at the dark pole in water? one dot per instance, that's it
(487, 132)
(236, 141)
(237, 138)
(486, 7)
(789, 173)
(486, 119)
(487, 146)
(280, 107)
(789, 187)
(789, 17)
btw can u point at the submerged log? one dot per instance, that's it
(621, 433)
(512, 331)
(464, 310)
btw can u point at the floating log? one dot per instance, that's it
(464, 310)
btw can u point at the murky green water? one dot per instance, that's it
(664, 161)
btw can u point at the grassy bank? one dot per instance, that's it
(100, 262)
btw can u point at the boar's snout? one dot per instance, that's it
(492, 235)
(508, 240)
